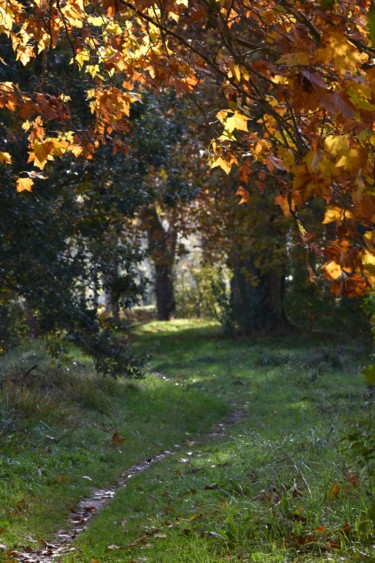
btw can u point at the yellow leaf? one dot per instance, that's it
(24, 184)
(93, 70)
(336, 214)
(41, 153)
(237, 121)
(26, 126)
(60, 146)
(354, 160)
(76, 150)
(368, 258)
(96, 21)
(81, 57)
(337, 50)
(222, 115)
(5, 158)
(219, 161)
(368, 265)
(337, 145)
(313, 160)
(333, 270)
(287, 156)
(294, 59)
(6, 20)
(360, 95)
(236, 72)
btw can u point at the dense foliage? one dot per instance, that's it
(298, 80)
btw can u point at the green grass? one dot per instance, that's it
(278, 486)
(56, 427)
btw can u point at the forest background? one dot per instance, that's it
(111, 112)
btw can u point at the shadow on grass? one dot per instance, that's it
(276, 487)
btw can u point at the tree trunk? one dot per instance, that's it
(257, 299)
(110, 278)
(165, 301)
(162, 246)
(31, 321)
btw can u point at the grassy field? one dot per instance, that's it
(275, 483)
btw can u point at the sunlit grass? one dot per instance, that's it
(279, 486)
(56, 426)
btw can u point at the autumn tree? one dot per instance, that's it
(250, 239)
(302, 70)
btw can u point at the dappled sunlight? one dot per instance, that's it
(255, 461)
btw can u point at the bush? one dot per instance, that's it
(13, 325)
(195, 289)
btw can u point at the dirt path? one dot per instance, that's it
(80, 517)
(87, 508)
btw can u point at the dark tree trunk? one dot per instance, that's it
(162, 246)
(110, 277)
(31, 321)
(165, 301)
(258, 299)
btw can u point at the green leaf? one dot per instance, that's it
(369, 374)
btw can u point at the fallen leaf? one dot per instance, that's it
(190, 492)
(116, 439)
(334, 491)
(353, 479)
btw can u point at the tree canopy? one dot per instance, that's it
(296, 111)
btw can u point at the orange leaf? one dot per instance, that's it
(334, 491)
(5, 158)
(333, 270)
(353, 479)
(282, 200)
(116, 439)
(244, 195)
(24, 184)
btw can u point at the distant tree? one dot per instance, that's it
(251, 240)
(164, 165)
